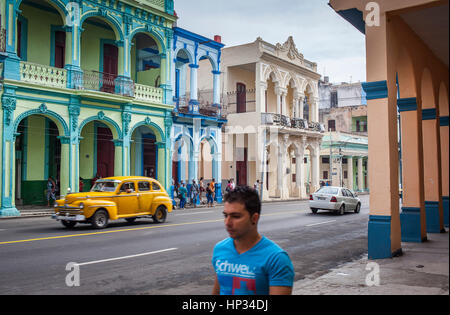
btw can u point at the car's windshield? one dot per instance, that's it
(104, 186)
(328, 190)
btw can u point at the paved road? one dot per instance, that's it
(172, 258)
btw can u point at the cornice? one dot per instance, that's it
(283, 63)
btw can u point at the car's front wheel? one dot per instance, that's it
(358, 208)
(100, 219)
(314, 210)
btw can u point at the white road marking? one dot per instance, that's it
(126, 257)
(321, 223)
(178, 214)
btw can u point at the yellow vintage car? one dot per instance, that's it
(115, 198)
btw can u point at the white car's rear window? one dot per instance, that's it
(328, 190)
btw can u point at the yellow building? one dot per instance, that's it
(407, 73)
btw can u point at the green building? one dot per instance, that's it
(86, 91)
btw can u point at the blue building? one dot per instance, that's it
(197, 118)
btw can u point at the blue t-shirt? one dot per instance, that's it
(253, 272)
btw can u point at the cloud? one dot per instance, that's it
(320, 34)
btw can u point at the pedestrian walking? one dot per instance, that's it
(248, 263)
(194, 193)
(201, 185)
(51, 188)
(229, 186)
(182, 193)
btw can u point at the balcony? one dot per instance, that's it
(43, 75)
(294, 123)
(204, 108)
(47, 76)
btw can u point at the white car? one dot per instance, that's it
(336, 199)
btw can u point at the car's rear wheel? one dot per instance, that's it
(68, 224)
(358, 208)
(160, 215)
(100, 219)
(342, 210)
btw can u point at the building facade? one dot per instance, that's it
(270, 97)
(86, 92)
(407, 75)
(344, 152)
(196, 135)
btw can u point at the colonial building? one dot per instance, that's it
(407, 73)
(344, 152)
(196, 134)
(87, 91)
(270, 97)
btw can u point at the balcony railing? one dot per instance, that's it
(105, 82)
(43, 75)
(148, 93)
(205, 109)
(2, 40)
(294, 123)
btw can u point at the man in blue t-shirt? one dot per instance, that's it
(248, 263)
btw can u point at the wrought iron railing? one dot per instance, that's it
(295, 123)
(205, 109)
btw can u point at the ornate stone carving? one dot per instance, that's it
(290, 48)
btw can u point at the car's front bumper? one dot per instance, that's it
(75, 218)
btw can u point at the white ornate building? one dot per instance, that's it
(270, 96)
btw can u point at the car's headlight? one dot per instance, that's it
(55, 205)
(81, 205)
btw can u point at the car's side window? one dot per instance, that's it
(350, 194)
(344, 193)
(155, 186)
(127, 186)
(144, 186)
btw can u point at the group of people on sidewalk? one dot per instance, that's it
(196, 193)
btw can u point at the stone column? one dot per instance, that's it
(315, 167)
(279, 103)
(432, 168)
(216, 88)
(350, 172)
(300, 176)
(360, 174)
(193, 102)
(413, 221)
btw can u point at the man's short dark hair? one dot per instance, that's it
(247, 196)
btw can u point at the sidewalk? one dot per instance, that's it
(422, 270)
(44, 211)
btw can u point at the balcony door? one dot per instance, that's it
(110, 65)
(60, 49)
(241, 98)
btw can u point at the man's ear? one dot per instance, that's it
(255, 218)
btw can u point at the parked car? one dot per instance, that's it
(115, 198)
(336, 199)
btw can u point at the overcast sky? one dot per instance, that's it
(320, 34)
